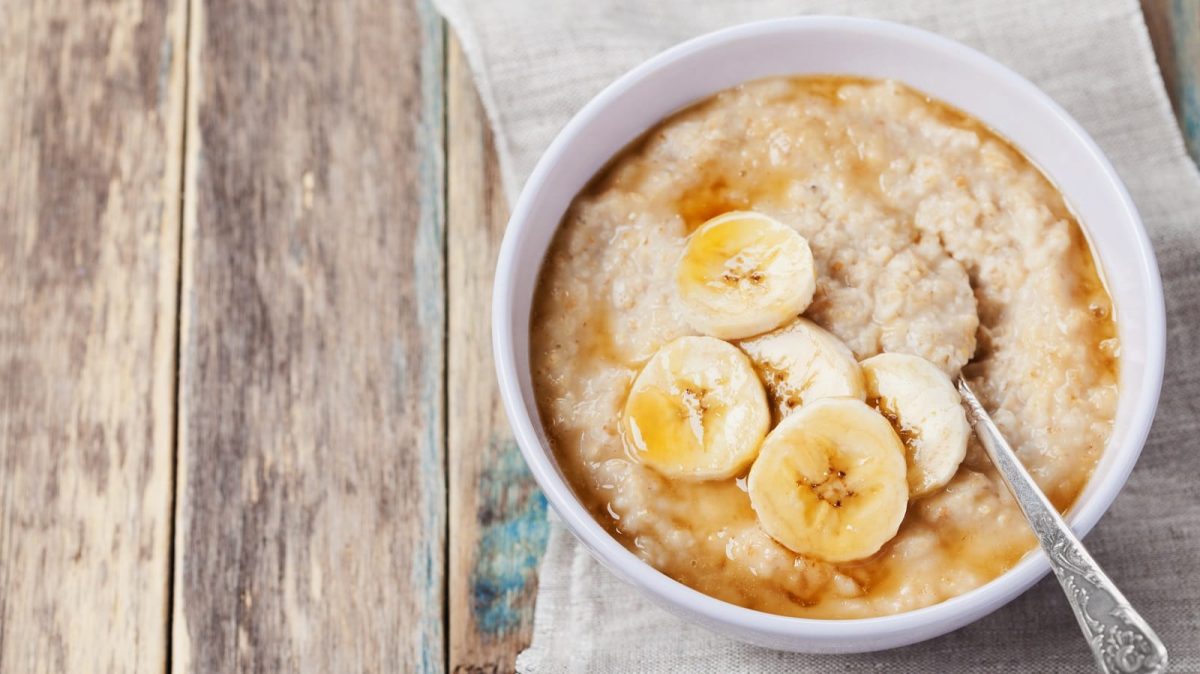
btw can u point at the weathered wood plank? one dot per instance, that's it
(497, 515)
(1175, 31)
(90, 134)
(311, 498)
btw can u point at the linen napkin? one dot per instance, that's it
(536, 62)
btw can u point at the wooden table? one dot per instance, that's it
(247, 411)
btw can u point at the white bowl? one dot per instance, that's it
(821, 45)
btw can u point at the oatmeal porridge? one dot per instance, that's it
(745, 331)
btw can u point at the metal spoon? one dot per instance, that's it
(1119, 637)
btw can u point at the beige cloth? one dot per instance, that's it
(538, 61)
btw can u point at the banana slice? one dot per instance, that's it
(802, 362)
(696, 411)
(742, 274)
(829, 481)
(923, 405)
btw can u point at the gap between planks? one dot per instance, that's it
(497, 515)
(185, 121)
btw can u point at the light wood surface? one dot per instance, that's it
(311, 492)
(1175, 32)
(498, 523)
(90, 129)
(296, 207)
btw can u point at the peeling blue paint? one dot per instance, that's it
(166, 51)
(1189, 109)
(1185, 27)
(430, 293)
(399, 364)
(512, 542)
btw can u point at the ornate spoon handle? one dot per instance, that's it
(1120, 639)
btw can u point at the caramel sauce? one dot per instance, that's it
(1091, 292)
(717, 194)
(908, 436)
(708, 192)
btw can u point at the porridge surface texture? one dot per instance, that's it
(930, 236)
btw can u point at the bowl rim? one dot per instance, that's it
(922, 623)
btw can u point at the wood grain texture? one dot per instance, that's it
(311, 501)
(90, 133)
(1175, 32)
(498, 523)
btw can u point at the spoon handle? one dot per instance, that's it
(1120, 639)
